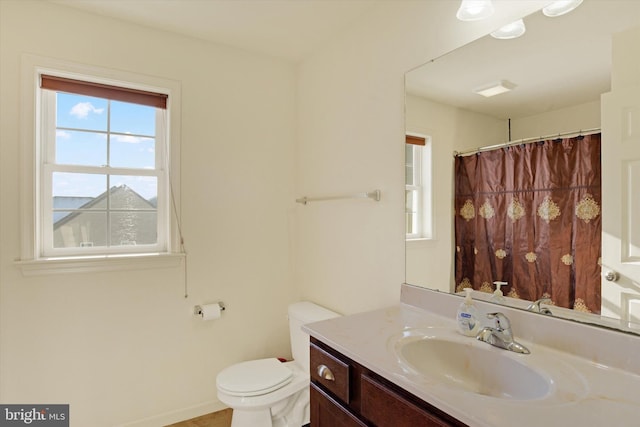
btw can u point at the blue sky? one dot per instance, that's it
(81, 139)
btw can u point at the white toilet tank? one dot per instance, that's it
(301, 313)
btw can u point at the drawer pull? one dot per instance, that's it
(325, 373)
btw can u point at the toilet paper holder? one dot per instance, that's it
(197, 310)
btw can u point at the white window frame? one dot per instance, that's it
(424, 213)
(36, 257)
(47, 167)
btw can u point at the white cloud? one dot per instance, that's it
(82, 109)
(63, 134)
(130, 139)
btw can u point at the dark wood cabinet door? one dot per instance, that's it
(384, 407)
(326, 412)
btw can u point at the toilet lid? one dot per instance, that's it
(254, 377)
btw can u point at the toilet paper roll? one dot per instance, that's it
(210, 311)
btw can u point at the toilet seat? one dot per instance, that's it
(254, 378)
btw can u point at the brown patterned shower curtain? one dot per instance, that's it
(529, 215)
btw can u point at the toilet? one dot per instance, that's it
(267, 392)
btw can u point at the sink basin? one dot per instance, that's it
(472, 366)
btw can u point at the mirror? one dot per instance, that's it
(560, 69)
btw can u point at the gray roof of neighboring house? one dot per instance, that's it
(81, 202)
(67, 202)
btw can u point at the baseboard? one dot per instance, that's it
(178, 415)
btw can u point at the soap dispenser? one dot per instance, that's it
(467, 316)
(498, 296)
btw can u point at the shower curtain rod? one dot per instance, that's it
(525, 141)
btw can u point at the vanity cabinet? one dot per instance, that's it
(346, 394)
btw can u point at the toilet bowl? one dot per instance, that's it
(267, 392)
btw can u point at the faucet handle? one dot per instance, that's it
(501, 321)
(535, 306)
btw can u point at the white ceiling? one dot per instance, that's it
(559, 62)
(287, 29)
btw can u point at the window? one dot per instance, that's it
(101, 168)
(102, 144)
(418, 187)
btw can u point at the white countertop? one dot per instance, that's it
(585, 392)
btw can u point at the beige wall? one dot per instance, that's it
(351, 138)
(626, 59)
(124, 346)
(578, 117)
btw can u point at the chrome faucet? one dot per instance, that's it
(501, 335)
(535, 306)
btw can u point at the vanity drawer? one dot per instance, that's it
(330, 372)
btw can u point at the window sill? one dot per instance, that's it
(420, 239)
(91, 264)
